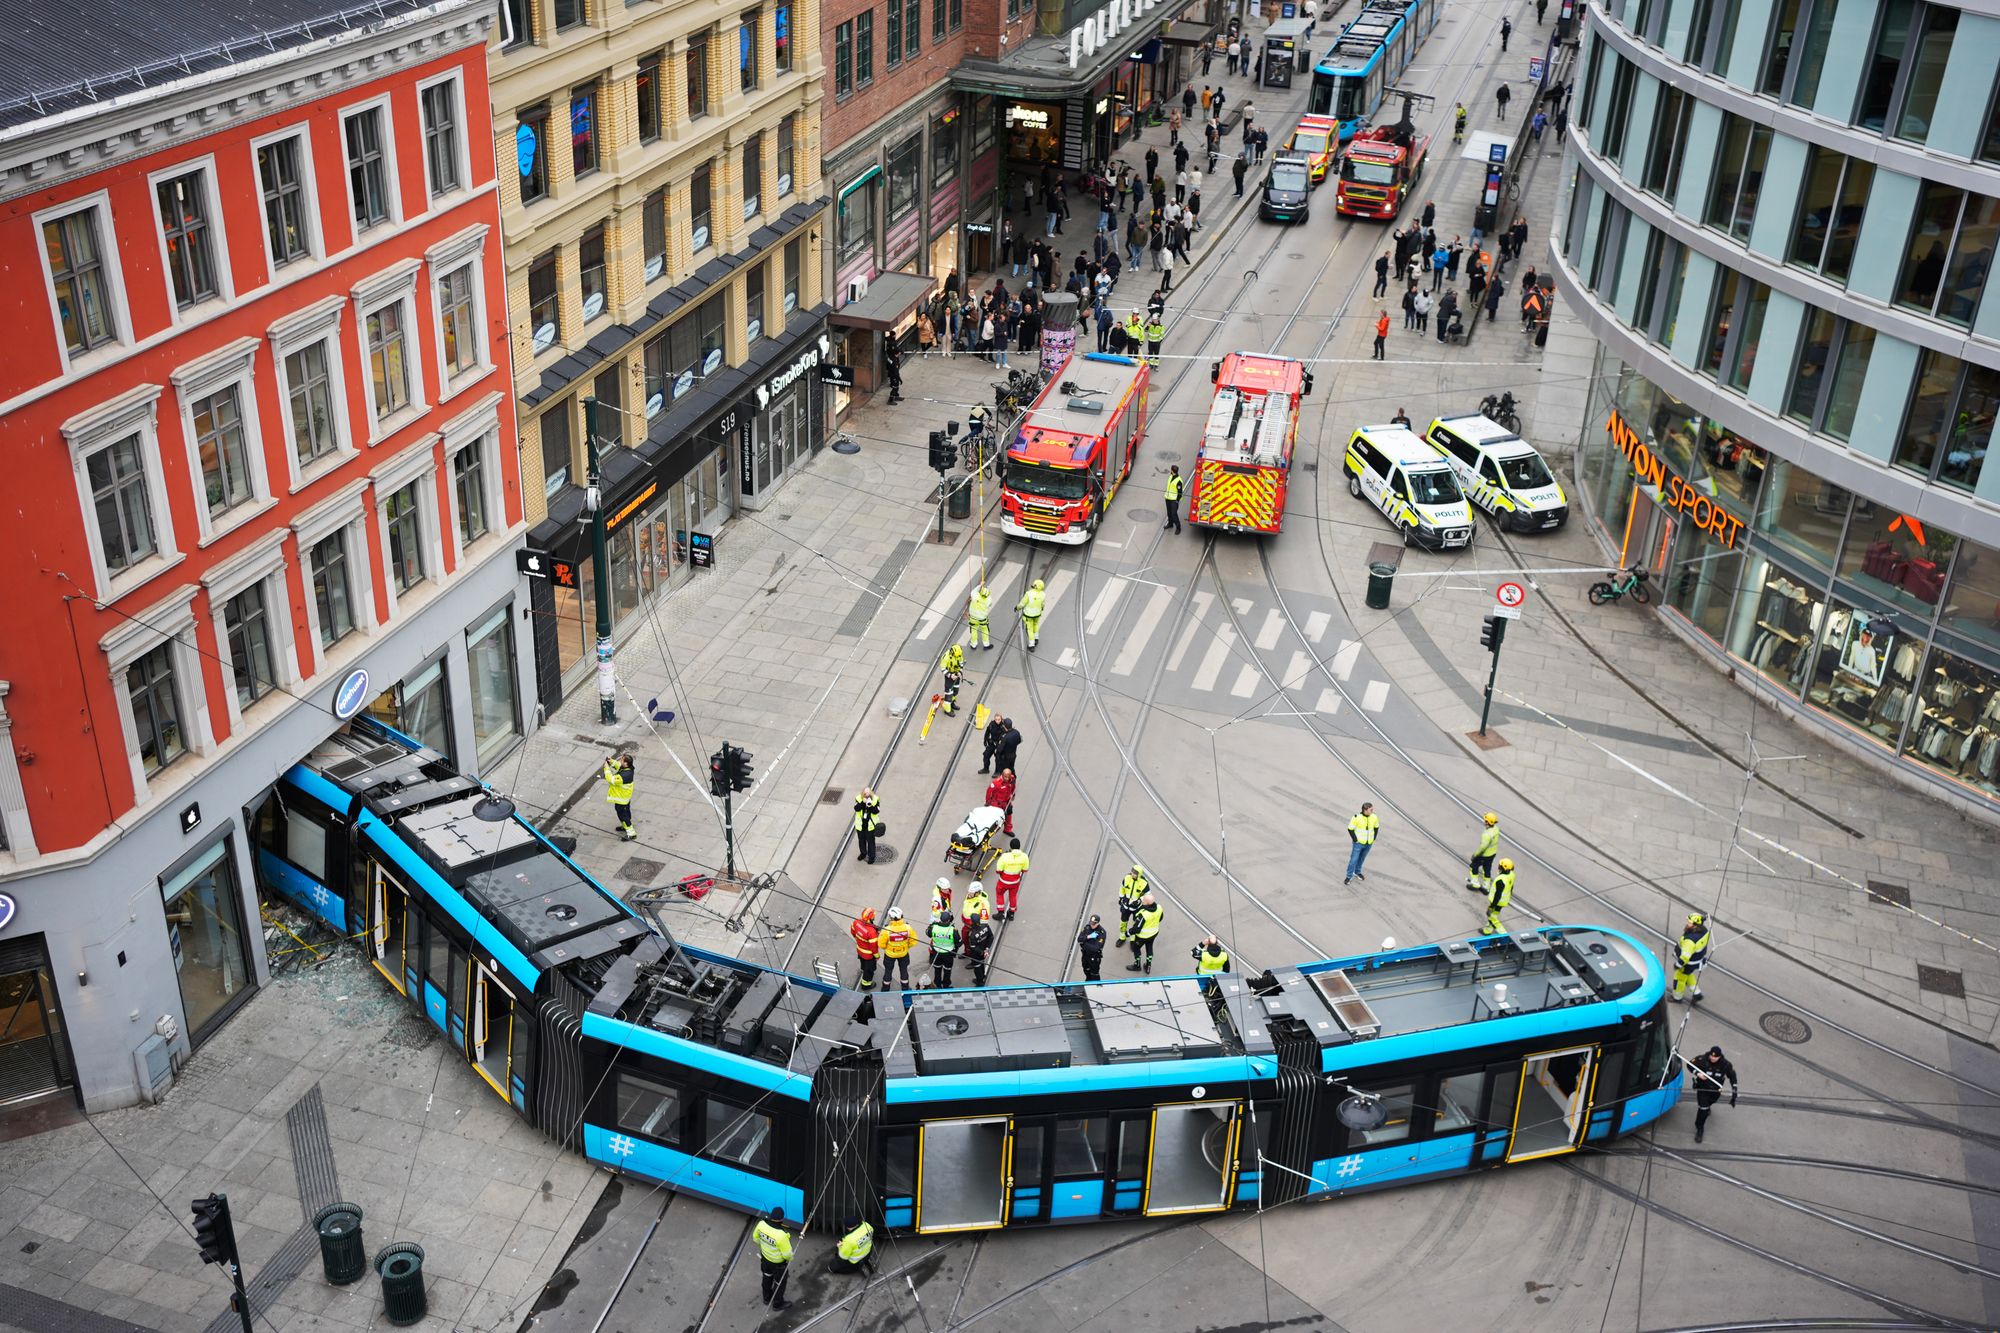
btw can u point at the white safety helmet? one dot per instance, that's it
(895, 914)
(944, 884)
(977, 887)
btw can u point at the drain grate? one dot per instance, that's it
(1310, 467)
(31, 1247)
(1889, 895)
(1941, 981)
(641, 871)
(1788, 1028)
(884, 854)
(832, 796)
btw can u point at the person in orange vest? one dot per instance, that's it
(867, 945)
(897, 937)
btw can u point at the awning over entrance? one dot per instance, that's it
(1191, 32)
(891, 297)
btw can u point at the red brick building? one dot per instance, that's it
(258, 424)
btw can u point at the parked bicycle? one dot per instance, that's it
(1499, 408)
(1616, 586)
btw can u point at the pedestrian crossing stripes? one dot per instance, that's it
(1142, 632)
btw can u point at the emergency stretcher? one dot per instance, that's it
(972, 848)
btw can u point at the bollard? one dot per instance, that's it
(1380, 577)
(341, 1251)
(402, 1268)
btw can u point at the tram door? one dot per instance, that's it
(964, 1174)
(389, 920)
(490, 1035)
(1552, 1107)
(1191, 1163)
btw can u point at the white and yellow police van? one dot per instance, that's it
(1393, 469)
(1501, 472)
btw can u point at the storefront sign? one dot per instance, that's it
(593, 305)
(812, 356)
(979, 229)
(840, 377)
(8, 908)
(1097, 30)
(632, 506)
(544, 336)
(712, 362)
(1032, 117)
(565, 574)
(655, 267)
(533, 563)
(701, 238)
(655, 405)
(701, 550)
(1103, 105)
(683, 382)
(191, 817)
(524, 149)
(1535, 69)
(352, 694)
(1675, 491)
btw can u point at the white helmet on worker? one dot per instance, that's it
(944, 883)
(895, 914)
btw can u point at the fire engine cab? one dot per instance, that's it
(1245, 458)
(1074, 446)
(1380, 167)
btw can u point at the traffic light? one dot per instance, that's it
(213, 1231)
(942, 454)
(718, 772)
(737, 760)
(1491, 631)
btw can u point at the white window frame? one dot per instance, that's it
(114, 280)
(391, 181)
(230, 367)
(393, 285)
(467, 249)
(418, 463)
(315, 225)
(136, 411)
(14, 820)
(478, 427)
(259, 565)
(316, 323)
(169, 621)
(344, 512)
(431, 195)
(218, 237)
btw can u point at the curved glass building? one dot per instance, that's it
(1777, 221)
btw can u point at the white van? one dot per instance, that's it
(1393, 469)
(1501, 472)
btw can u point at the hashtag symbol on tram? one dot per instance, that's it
(622, 1145)
(1350, 1166)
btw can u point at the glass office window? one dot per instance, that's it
(1972, 607)
(1802, 512)
(1749, 332)
(1830, 211)
(1971, 427)
(1955, 727)
(1811, 59)
(1926, 73)
(1938, 209)
(1809, 373)
(1892, 44)
(1900, 562)
(1989, 144)
(1925, 424)
(1866, 670)
(1728, 304)
(1776, 620)
(1779, 61)
(205, 936)
(1850, 370)
(489, 651)
(1971, 260)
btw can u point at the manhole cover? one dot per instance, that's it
(1889, 895)
(1941, 981)
(639, 870)
(843, 445)
(884, 854)
(831, 796)
(1143, 515)
(1167, 455)
(1788, 1028)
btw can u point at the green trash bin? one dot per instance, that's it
(1381, 576)
(341, 1251)
(402, 1268)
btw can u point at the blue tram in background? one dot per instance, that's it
(944, 1111)
(1367, 58)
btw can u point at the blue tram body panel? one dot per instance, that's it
(719, 1181)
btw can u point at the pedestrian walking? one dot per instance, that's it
(1208, 56)
(1562, 122)
(1362, 830)
(856, 1251)
(1480, 867)
(867, 823)
(944, 948)
(978, 946)
(1428, 218)
(1448, 315)
(1518, 235)
(1499, 893)
(1230, 63)
(897, 937)
(1381, 334)
(867, 945)
(1410, 306)
(1030, 606)
(1538, 124)
(1174, 127)
(1458, 124)
(1173, 497)
(1690, 956)
(1008, 870)
(892, 359)
(1210, 958)
(1249, 121)
(1710, 1071)
(1494, 291)
(1541, 11)
(1501, 96)
(1145, 931)
(1188, 100)
(1166, 276)
(1382, 275)
(774, 1257)
(1532, 305)
(1506, 31)
(1090, 948)
(1237, 169)
(618, 791)
(1221, 99)
(1423, 309)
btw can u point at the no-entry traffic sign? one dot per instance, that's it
(1510, 595)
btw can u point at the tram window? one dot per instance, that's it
(1082, 1146)
(1655, 1049)
(493, 1030)
(1610, 1077)
(461, 973)
(437, 957)
(1027, 1168)
(899, 1166)
(1397, 1103)
(1506, 1092)
(1458, 1102)
(649, 1108)
(521, 1046)
(738, 1134)
(305, 843)
(1133, 1137)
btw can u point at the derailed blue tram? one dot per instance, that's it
(942, 1111)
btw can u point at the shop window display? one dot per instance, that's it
(1972, 606)
(1866, 670)
(1897, 558)
(1776, 621)
(1703, 580)
(1956, 727)
(1803, 512)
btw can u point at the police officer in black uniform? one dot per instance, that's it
(1090, 946)
(1710, 1072)
(977, 946)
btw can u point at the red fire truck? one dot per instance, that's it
(1073, 447)
(1378, 170)
(1245, 457)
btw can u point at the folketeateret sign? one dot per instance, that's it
(1676, 492)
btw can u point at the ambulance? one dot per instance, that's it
(1392, 468)
(1318, 137)
(1501, 472)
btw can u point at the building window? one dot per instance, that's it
(1663, 159)
(1835, 196)
(440, 106)
(1950, 420)
(1780, 59)
(1989, 144)
(609, 391)
(653, 233)
(468, 481)
(781, 38)
(156, 708)
(555, 447)
(957, 14)
(903, 163)
(937, 20)
(1748, 333)
(649, 99)
(864, 49)
(659, 375)
(119, 492)
(406, 539)
(944, 152)
(1926, 74)
(1950, 250)
(1850, 371)
(287, 221)
(1886, 64)
(388, 360)
(786, 131)
(333, 595)
(1810, 60)
(543, 299)
(913, 27)
(184, 226)
(794, 268)
(76, 270)
(1809, 376)
(1739, 177)
(520, 22)
(746, 50)
(248, 631)
(753, 303)
(309, 387)
(697, 77)
(569, 13)
(367, 169)
(753, 175)
(857, 223)
(892, 34)
(489, 653)
(1618, 112)
(458, 321)
(224, 452)
(583, 129)
(590, 271)
(695, 345)
(701, 204)
(843, 59)
(532, 153)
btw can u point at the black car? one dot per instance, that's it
(1287, 191)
